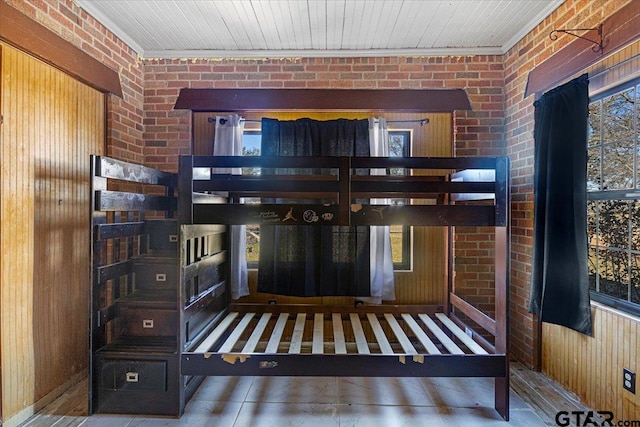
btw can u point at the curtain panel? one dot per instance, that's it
(305, 260)
(560, 285)
(228, 142)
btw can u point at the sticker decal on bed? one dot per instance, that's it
(289, 216)
(267, 216)
(267, 364)
(310, 216)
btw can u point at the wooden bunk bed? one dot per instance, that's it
(357, 340)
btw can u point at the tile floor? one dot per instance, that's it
(325, 402)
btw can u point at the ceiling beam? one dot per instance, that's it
(387, 100)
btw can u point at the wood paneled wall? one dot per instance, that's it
(591, 367)
(51, 125)
(425, 282)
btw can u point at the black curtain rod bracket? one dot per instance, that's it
(599, 45)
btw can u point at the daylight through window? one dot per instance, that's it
(613, 198)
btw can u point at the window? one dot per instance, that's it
(399, 145)
(613, 198)
(251, 147)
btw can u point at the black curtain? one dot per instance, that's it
(560, 284)
(307, 260)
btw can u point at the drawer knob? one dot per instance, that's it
(132, 377)
(147, 323)
(161, 277)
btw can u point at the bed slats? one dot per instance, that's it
(361, 340)
(422, 337)
(459, 333)
(385, 347)
(440, 335)
(216, 333)
(340, 345)
(318, 334)
(254, 339)
(298, 331)
(405, 334)
(274, 341)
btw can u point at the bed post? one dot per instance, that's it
(185, 190)
(502, 282)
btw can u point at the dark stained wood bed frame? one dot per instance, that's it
(361, 340)
(196, 330)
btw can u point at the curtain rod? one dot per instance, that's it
(421, 121)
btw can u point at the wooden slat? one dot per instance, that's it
(338, 334)
(216, 333)
(419, 333)
(399, 333)
(123, 201)
(113, 231)
(113, 271)
(474, 314)
(442, 337)
(318, 334)
(385, 347)
(254, 339)
(361, 341)
(298, 331)
(118, 169)
(238, 330)
(274, 340)
(460, 334)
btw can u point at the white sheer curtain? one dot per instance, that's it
(228, 142)
(381, 270)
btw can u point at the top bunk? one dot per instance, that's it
(349, 191)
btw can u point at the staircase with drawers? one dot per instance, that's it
(155, 288)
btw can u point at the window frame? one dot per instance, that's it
(625, 195)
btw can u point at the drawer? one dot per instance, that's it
(138, 321)
(155, 273)
(130, 375)
(162, 235)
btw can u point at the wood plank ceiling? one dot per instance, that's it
(297, 28)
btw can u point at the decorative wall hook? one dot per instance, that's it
(599, 44)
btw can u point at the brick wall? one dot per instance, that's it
(124, 115)
(167, 131)
(518, 62)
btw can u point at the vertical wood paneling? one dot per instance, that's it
(51, 125)
(592, 367)
(425, 283)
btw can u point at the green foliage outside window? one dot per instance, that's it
(613, 193)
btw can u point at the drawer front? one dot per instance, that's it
(147, 322)
(152, 274)
(130, 375)
(163, 235)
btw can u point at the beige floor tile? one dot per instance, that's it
(389, 416)
(294, 390)
(384, 391)
(287, 414)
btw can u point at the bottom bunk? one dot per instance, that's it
(365, 341)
